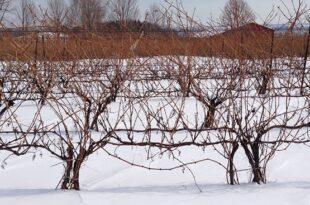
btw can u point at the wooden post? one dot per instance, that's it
(271, 49)
(43, 46)
(241, 51)
(223, 45)
(36, 49)
(64, 47)
(210, 47)
(267, 74)
(305, 64)
(271, 54)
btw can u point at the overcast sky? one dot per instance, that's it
(204, 9)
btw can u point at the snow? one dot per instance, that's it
(104, 180)
(270, 194)
(33, 178)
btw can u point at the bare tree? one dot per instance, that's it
(294, 16)
(14, 92)
(154, 14)
(236, 13)
(25, 13)
(87, 13)
(57, 11)
(4, 4)
(89, 113)
(124, 10)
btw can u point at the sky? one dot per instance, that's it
(205, 9)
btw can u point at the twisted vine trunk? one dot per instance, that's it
(212, 105)
(253, 158)
(71, 178)
(69, 165)
(264, 86)
(231, 164)
(257, 173)
(75, 181)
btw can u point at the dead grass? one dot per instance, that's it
(123, 45)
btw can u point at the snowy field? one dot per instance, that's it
(151, 143)
(108, 181)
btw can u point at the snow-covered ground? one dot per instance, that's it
(34, 178)
(25, 181)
